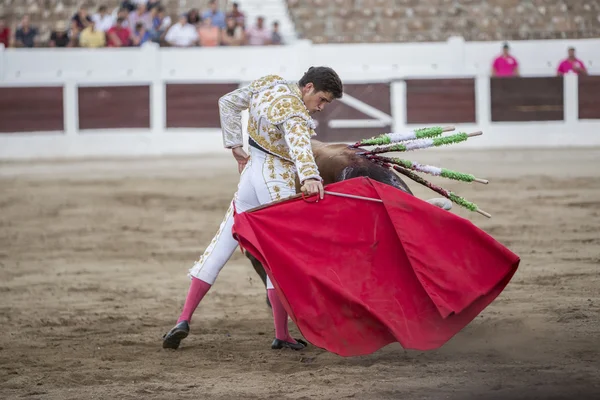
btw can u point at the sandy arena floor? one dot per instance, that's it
(93, 264)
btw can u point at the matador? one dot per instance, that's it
(280, 127)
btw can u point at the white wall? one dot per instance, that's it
(355, 63)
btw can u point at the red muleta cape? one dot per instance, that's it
(356, 275)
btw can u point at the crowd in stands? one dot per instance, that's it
(506, 65)
(136, 22)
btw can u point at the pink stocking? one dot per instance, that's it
(198, 288)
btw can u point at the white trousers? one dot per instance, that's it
(264, 179)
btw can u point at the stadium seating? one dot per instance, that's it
(355, 21)
(44, 14)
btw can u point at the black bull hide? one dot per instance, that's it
(338, 162)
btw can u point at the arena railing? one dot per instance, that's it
(78, 102)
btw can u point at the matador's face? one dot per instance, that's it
(313, 100)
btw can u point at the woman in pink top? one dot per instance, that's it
(210, 35)
(571, 64)
(505, 64)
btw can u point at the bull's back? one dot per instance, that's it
(338, 162)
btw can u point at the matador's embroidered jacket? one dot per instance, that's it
(279, 122)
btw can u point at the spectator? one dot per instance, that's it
(73, 34)
(119, 35)
(4, 33)
(275, 35)
(25, 36)
(81, 18)
(239, 16)
(258, 35)
(217, 16)
(182, 34)
(91, 37)
(129, 5)
(152, 4)
(505, 64)
(140, 15)
(59, 37)
(103, 20)
(140, 35)
(208, 34)
(160, 23)
(571, 64)
(193, 17)
(123, 13)
(232, 34)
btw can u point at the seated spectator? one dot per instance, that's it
(140, 35)
(103, 20)
(81, 18)
(216, 16)
(123, 13)
(258, 35)
(140, 15)
(208, 34)
(59, 36)
(182, 34)
(152, 4)
(239, 16)
(505, 64)
(119, 35)
(193, 17)
(91, 37)
(160, 23)
(275, 35)
(4, 33)
(25, 35)
(571, 64)
(232, 34)
(73, 34)
(129, 5)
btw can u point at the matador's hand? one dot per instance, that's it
(313, 186)
(241, 157)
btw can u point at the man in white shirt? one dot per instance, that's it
(182, 34)
(103, 20)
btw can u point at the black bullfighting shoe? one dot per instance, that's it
(173, 338)
(280, 344)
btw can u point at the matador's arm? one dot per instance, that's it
(297, 135)
(231, 106)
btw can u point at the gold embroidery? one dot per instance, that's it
(265, 82)
(279, 177)
(285, 107)
(297, 136)
(280, 123)
(213, 242)
(271, 166)
(277, 149)
(289, 175)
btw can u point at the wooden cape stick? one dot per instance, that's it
(299, 195)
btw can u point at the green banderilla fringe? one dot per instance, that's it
(445, 173)
(384, 138)
(462, 201)
(436, 142)
(447, 194)
(457, 176)
(452, 139)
